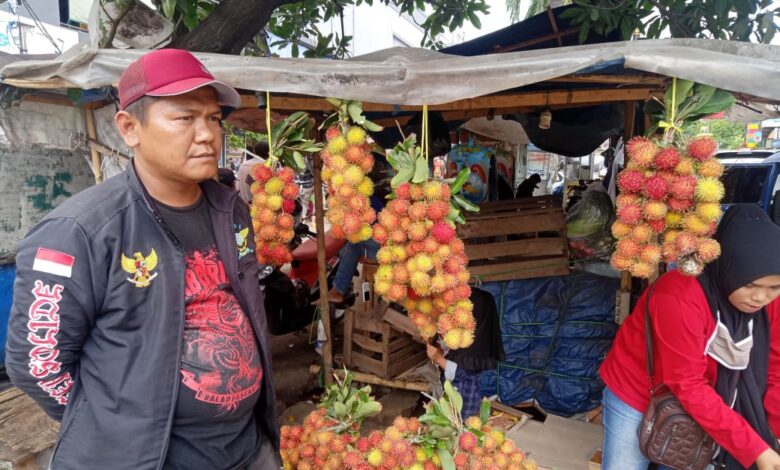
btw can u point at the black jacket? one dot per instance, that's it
(96, 348)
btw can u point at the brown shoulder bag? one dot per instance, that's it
(668, 435)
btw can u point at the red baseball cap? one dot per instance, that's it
(170, 72)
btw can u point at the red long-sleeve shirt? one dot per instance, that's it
(683, 323)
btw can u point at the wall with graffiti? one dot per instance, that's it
(33, 181)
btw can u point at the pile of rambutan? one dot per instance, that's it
(273, 202)
(669, 193)
(439, 439)
(423, 264)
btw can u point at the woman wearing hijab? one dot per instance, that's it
(716, 343)
(463, 366)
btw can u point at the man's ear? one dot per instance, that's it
(128, 127)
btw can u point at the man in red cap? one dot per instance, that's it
(137, 318)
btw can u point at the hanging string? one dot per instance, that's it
(671, 123)
(269, 161)
(425, 146)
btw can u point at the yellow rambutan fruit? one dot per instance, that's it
(642, 270)
(711, 168)
(709, 190)
(356, 136)
(674, 219)
(366, 187)
(709, 250)
(453, 338)
(621, 229)
(697, 225)
(708, 211)
(642, 233)
(685, 167)
(337, 145)
(353, 175)
(655, 210)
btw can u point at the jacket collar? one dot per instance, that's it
(219, 197)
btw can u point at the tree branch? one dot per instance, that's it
(230, 27)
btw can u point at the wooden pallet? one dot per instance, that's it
(375, 346)
(518, 239)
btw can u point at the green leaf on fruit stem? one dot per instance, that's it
(484, 411)
(447, 462)
(420, 171)
(403, 175)
(300, 163)
(334, 101)
(372, 126)
(465, 203)
(460, 180)
(355, 113)
(453, 396)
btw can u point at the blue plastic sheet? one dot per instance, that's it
(7, 275)
(556, 332)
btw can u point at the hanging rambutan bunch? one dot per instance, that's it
(274, 190)
(347, 160)
(432, 278)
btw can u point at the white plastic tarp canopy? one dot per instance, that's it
(412, 76)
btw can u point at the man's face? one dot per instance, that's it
(181, 137)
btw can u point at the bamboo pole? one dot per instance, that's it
(319, 218)
(97, 166)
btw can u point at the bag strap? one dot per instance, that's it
(649, 338)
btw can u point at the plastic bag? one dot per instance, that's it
(588, 226)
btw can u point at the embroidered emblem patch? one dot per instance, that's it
(141, 268)
(242, 242)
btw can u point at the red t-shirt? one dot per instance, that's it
(683, 323)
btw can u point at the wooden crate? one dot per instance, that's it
(517, 239)
(373, 345)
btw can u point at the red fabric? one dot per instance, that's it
(683, 324)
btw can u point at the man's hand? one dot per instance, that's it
(768, 460)
(435, 355)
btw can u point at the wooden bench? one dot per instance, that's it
(27, 434)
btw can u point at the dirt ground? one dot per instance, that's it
(292, 354)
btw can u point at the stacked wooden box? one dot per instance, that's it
(373, 345)
(516, 239)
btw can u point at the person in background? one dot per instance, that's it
(137, 321)
(244, 174)
(227, 177)
(353, 252)
(527, 187)
(716, 342)
(462, 367)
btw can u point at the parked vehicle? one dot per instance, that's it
(752, 177)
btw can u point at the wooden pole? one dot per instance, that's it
(374, 380)
(319, 219)
(97, 165)
(623, 301)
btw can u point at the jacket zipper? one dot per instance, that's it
(177, 369)
(242, 298)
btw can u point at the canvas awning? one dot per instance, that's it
(408, 76)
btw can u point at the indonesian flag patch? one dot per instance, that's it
(53, 262)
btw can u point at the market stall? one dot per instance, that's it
(396, 83)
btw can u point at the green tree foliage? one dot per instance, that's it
(200, 24)
(737, 20)
(730, 135)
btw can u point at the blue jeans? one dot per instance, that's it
(350, 257)
(621, 442)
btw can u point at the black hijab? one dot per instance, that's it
(749, 243)
(487, 350)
